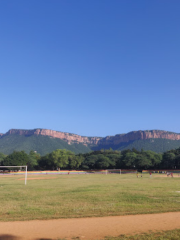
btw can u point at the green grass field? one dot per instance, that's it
(164, 235)
(68, 196)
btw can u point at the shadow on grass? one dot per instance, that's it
(12, 237)
(8, 237)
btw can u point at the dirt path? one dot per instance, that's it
(89, 228)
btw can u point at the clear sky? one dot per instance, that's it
(94, 68)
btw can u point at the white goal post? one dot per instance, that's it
(117, 171)
(17, 167)
(120, 171)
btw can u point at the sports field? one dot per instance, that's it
(90, 195)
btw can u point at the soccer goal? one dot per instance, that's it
(117, 171)
(128, 171)
(25, 172)
(120, 171)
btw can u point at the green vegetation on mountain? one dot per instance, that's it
(154, 144)
(27, 140)
(40, 144)
(158, 145)
(2, 156)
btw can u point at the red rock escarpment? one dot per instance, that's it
(114, 140)
(68, 137)
(138, 135)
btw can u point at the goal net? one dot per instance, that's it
(111, 171)
(128, 171)
(12, 170)
(120, 171)
(117, 171)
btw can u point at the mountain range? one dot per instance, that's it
(44, 141)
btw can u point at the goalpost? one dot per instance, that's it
(117, 171)
(17, 167)
(120, 171)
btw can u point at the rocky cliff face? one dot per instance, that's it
(68, 137)
(138, 135)
(109, 140)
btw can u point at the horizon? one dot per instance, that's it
(95, 68)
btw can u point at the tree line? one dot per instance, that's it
(102, 159)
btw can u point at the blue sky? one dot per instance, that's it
(94, 68)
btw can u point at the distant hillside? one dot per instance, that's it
(67, 137)
(41, 144)
(158, 145)
(44, 141)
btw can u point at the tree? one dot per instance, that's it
(2, 157)
(16, 159)
(177, 161)
(44, 163)
(90, 162)
(143, 162)
(113, 159)
(33, 158)
(59, 158)
(168, 160)
(75, 161)
(152, 159)
(102, 161)
(129, 159)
